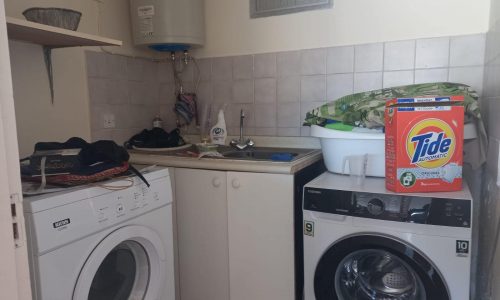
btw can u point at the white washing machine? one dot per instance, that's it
(364, 242)
(97, 244)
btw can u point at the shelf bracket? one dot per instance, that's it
(47, 56)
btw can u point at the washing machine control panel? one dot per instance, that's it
(391, 207)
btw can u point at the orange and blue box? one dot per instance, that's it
(424, 144)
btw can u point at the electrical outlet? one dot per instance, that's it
(109, 121)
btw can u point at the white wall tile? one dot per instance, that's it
(98, 92)
(222, 91)
(467, 50)
(117, 65)
(150, 71)
(265, 115)
(493, 113)
(117, 90)
(432, 53)
(205, 92)
(399, 55)
(243, 91)
(367, 81)
(222, 68)
(168, 116)
(290, 131)
(313, 88)
(165, 72)
(265, 90)
(288, 115)
(288, 63)
(265, 65)
(266, 131)
(339, 85)
(288, 89)
(368, 57)
(205, 66)
(313, 62)
(431, 75)
(95, 62)
(397, 78)
(167, 93)
(135, 69)
(340, 60)
(472, 76)
(243, 67)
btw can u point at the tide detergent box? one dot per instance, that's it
(423, 144)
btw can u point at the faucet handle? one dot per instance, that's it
(242, 113)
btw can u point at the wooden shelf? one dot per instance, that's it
(53, 37)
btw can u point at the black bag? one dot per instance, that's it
(93, 158)
(156, 138)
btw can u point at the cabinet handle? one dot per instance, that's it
(216, 182)
(236, 183)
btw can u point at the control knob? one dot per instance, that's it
(375, 206)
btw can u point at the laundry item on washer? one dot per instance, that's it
(85, 163)
(186, 107)
(366, 110)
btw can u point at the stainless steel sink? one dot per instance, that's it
(264, 153)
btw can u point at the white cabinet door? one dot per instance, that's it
(261, 247)
(200, 198)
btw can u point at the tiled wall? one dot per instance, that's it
(489, 245)
(133, 90)
(277, 89)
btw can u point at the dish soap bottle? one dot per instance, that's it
(218, 133)
(157, 122)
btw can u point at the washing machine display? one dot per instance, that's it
(361, 245)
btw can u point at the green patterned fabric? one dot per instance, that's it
(366, 109)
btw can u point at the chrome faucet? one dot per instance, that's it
(241, 144)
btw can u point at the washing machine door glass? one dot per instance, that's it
(122, 275)
(377, 274)
(129, 263)
(376, 267)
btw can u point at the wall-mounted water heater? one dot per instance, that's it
(168, 25)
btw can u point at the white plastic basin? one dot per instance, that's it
(338, 145)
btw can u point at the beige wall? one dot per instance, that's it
(37, 119)
(230, 31)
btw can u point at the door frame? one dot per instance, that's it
(14, 273)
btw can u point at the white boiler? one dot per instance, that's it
(168, 25)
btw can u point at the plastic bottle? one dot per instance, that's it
(218, 133)
(157, 122)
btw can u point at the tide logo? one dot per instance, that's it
(430, 143)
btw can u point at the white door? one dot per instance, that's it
(200, 197)
(14, 272)
(261, 237)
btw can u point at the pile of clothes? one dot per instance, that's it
(366, 110)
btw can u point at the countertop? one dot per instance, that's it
(183, 159)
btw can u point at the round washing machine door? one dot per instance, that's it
(127, 264)
(373, 267)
